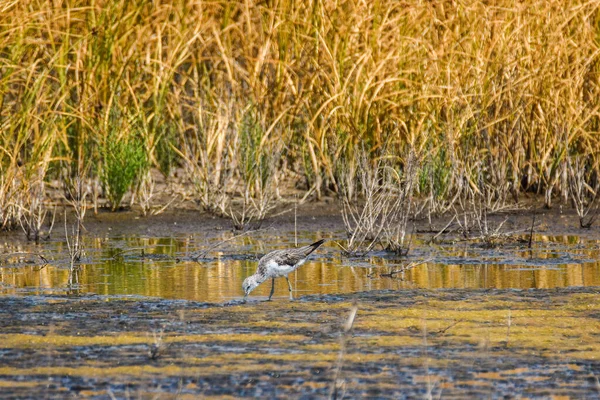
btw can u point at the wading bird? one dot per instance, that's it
(278, 263)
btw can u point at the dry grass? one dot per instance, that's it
(585, 198)
(496, 94)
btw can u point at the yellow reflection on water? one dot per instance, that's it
(151, 267)
(218, 281)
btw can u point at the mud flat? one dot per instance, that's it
(321, 216)
(145, 320)
(404, 343)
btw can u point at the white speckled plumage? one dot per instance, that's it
(278, 263)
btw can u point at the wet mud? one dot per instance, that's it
(147, 318)
(323, 216)
(403, 344)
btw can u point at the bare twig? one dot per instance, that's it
(213, 247)
(157, 348)
(531, 231)
(444, 330)
(403, 269)
(585, 198)
(443, 230)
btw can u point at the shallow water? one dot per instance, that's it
(164, 267)
(133, 341)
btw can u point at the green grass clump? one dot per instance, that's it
(124, 162)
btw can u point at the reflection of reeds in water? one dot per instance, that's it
(474, 89)
(119, 272)
(221, 279)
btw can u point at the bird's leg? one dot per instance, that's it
(289, 287)
(272, 288)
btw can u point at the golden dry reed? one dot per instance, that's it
(243, 94)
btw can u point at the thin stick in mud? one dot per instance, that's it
(531, 231)
(337, 385)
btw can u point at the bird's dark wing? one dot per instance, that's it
(306, 250)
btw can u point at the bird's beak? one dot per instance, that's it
(245, 297)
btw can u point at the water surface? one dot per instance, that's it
(165, 267)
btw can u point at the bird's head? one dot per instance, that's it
(250, 283)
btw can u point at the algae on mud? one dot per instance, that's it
(105, 336)
(405, 343)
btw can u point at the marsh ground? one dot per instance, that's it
(405, 344)
(144, 320)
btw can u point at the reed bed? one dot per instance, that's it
(496, 98)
